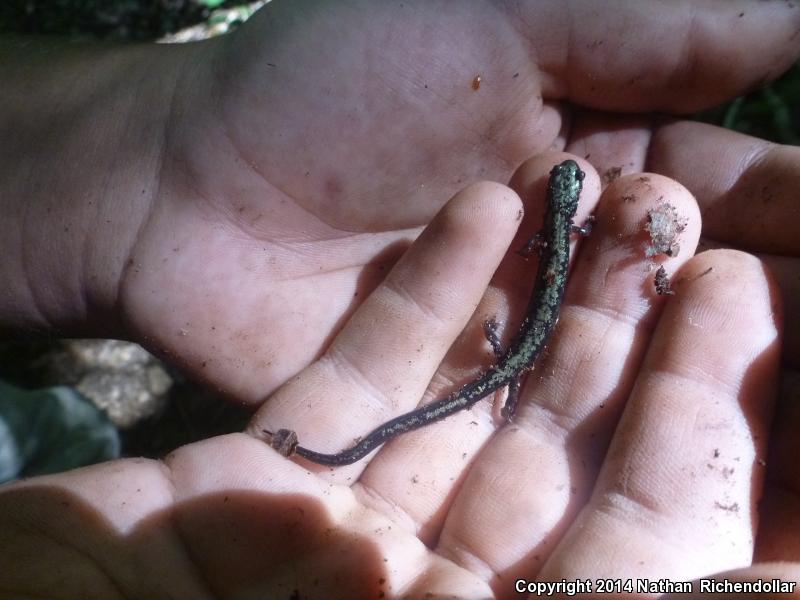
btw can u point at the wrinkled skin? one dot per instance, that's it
(303, 157)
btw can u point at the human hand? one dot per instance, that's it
(298, 157)
(677, 493)
(748, 203)
(637, 450)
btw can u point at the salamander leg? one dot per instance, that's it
(585, 229)
(510, 405)
(535, 244)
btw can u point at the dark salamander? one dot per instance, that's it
(563, 192)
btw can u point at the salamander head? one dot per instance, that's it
(564, 187)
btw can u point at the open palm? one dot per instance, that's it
(307, 150)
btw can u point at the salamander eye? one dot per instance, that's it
(579, 175)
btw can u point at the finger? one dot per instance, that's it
(677, 495)
(554, 125)
(225, 517)
(381, 362)
(526, 486)
(251, 520)
(616, 145)
(414, 478)
(97, 528)
(649, 55)
(779, 525)
(785, 272)
(746, 187)
(747, 191)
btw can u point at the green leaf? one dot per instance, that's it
(51, 430)
(212, 3)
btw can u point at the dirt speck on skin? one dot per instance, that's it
(662, 283)
(727, 507)
(611, 174)
(664, 226)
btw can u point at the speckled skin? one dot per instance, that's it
(563, 191)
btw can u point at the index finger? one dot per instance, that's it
(381, 362)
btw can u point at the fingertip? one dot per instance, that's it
(658, 211)
(537, 167)
(726, 261)
(725, 322)
(486, 203)
(530, 180)
(476, 225)
(642, 222)
(735, 282)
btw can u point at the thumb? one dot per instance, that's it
(676, 57)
